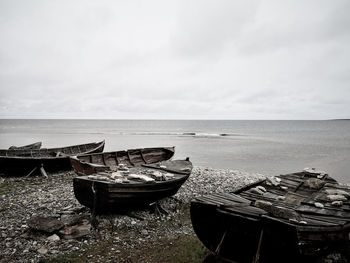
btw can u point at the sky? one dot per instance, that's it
(219, 59)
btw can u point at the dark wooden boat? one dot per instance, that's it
(296, 217)
(22, 162)
(98, 162)
(33, 146)
(138, 186)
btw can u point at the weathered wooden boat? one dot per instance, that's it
(33, 146)
(131, 187)
(297, 217)
(107, 161)
(24, 162)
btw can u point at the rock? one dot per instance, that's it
(336, 198)
(69, 220)
(42, 250)
(273, 181)
(332, 191)
(256, 191)
(261, 188)
(314, 183)
(337, 203)
(44, 224)
(53, 238)
(75, 231)
(144, 232)
(319, 205)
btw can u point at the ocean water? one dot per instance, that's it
(268, 147)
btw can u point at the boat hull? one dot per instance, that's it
(234, 228)
(103, 193)
(22, 162)
(111, 197)
(33, 146)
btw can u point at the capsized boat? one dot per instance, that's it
(32, 146)
(134, 186)
(109, 161)
(23, 162)
(296, 217)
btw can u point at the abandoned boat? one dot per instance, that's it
(296, 217)
(107, 161)
(24, 162)
(33, 146)
(134, 186)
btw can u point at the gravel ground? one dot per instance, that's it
(23, 198)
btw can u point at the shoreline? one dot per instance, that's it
(23, 198)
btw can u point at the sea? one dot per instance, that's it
(256, 146)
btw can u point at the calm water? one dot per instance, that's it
(270, 147)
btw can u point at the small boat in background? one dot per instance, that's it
(296, 217)
(130, 187)
(22, 162)
(33, 146)
(109, 161)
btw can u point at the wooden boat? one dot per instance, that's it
(33, 146)
(99, 162)
(23, 162)
(295, 217)
(131, 187)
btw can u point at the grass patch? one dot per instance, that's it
(183, 249)
(69, 258)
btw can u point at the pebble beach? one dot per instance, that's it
(24, 199)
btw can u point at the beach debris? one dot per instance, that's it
(53, 238)
(320, 174)
(318, 205)
(158, 175)
(275, 181)
(123, 167)
(261, 188)
(336, 198)
(44, 224)
(281, 198)
(69, 220)
(42, 250)
(338, 204)
(116, 175)
(277, 211)
(141, 177)
(314, 183)
(75, 231)
(332, 191)
(256, 190)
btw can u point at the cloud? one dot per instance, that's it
(178, 59)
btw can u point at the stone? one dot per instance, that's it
(337, 192)
(273, 181)
(76, 231)
(336, 198)
(144, 232)
(53, 238)
(314, 183)
(337, 203)
(42, 250)
(44, 224)
(69, 220)
(319, 205)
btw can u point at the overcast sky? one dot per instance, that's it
(175, 59)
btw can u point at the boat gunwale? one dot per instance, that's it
(99, 145)
(170, 148)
